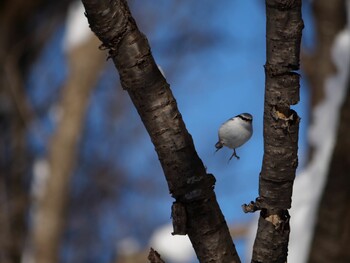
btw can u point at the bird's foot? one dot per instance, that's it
(234, 155)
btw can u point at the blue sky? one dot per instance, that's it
(210, 84)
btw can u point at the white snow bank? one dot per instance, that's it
(77, 27)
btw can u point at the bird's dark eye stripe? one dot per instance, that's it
(244, 118)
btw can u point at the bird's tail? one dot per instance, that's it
(218, 146)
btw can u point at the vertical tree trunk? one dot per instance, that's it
(330, 18)
(16, 55)
(332, 231)
(85, 63)
(281, 126)
(196, 210)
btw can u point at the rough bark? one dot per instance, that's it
(85, 63)
(332, 231)
(281, 126)
(185, 173)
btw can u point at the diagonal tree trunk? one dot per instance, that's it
(196, 211)
(281, 126)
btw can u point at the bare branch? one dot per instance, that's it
(154, 257)
(185, 173)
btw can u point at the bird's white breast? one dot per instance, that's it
(235, 132)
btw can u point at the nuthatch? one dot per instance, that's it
(235, 132)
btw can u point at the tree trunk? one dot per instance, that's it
(281, 127)
(332, 231)
(18, 46)
(196, 211)
(85, 64)
(330, 18)
(332, 227)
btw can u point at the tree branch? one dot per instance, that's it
(185, 173)
(154, 257)
(281, 126)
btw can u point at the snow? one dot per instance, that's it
(310, 182)
(176, 249)
(77, 31)
(41, 171)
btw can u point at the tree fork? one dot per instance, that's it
(185, 173)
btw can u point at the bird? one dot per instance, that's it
(235, 132)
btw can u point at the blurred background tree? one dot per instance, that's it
(211, 53)
(332, 227)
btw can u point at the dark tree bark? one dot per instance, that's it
(332, 231)
(185, 173)
(281, 126)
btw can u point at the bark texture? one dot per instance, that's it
(332, 231)
(281, 126)
(85, 63)
(185, 173)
